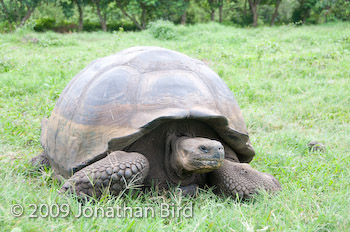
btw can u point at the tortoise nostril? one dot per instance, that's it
(219, 149)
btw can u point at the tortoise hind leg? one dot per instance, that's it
(112, 173)
(40, 161)
(240, 178)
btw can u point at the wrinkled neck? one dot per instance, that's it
(173, 167)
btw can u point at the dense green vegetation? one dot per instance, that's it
(292, 84)
(114, 15)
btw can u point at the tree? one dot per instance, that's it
(101, 4)
(210, 6)
(140, 12)
(303, 11)
(341, 10)
(220, 5)
(170, 10)
(68, 10)
(211, 9)
(184, 14)
(7, 15)
(254, 4)
(80, 4)
(29, 6)
(19, 11)
(277, 4)
(136, 10)
(327, 7)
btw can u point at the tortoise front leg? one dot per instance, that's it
(112, 173)
(240, 178)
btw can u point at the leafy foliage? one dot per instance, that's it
(44, 24)
(163, 30)
(142, 12)
(19, 12)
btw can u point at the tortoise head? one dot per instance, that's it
(195, 155)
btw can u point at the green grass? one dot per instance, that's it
(292, 84)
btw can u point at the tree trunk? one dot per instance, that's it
(102, 20)
(143, 16)
(133, 19)
(255, 15)
(183, 18)
(327, 12)
(26, 16)
(275, 12)
(253, 7)
(220, 13)
(184, 15)
(212, 14)
(81, 16)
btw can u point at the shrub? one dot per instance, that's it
(44, 24)
(127, 26)
(163, 30)
(65, 27)
(91, 26)
(6, 27)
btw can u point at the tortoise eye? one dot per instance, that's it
(203, 149)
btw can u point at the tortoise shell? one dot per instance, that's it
(117, 99)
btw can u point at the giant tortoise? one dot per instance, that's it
(154, 117)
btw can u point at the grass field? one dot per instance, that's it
(292, 84)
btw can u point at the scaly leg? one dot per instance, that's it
(111, 173)
(240, 178)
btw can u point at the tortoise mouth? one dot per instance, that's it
(208, 159)
(206, 164)
(206, 167)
